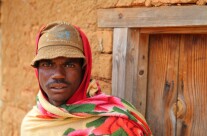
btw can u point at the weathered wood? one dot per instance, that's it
(1, 88)
(140, 95)
(173, 105)
(130, 84)
(131, 65)
(175, 30)
(192, 90)
(172, 16)
(162, 82)
(119, 62)
(181, 109)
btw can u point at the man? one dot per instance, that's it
(69, 101)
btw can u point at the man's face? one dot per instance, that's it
(60, 78)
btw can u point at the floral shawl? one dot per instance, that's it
(94, 116)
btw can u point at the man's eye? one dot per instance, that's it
(46, 64)
(69, 65)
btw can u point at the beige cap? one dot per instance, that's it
(59, 39)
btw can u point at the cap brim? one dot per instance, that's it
(51, 52)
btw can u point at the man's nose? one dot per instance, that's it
(58, 73)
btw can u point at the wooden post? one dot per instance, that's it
(141, 92)
(119, 61)
(131, 65)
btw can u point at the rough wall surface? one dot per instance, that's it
(20, 21)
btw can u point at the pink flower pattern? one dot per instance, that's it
(119, 120)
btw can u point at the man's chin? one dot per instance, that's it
(58, 101)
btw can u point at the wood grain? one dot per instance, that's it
(193, 85)
(162, 82)
(172, 16)
(131, 65)
(119, 62)
(140, 95)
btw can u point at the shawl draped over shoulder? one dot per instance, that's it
(89, 112)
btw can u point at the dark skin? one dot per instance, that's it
(60, 78)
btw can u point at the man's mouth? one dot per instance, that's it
(58, 86)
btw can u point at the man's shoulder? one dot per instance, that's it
(30, 114)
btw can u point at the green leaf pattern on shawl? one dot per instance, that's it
(124, 112)
(97, 122)
(119, 132)
(89, 108)
(127, 103)
(86, 108)
(68, 131)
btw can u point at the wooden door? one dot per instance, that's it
(177, 85)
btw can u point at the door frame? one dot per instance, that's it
(131, 30)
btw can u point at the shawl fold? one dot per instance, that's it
(96, 115)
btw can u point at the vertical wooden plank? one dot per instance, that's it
(0, 71)
(192, 110)
(119, 61)
(181, 105)
(140, 94)
(1, 85)
(131, 65)
(162, 84)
